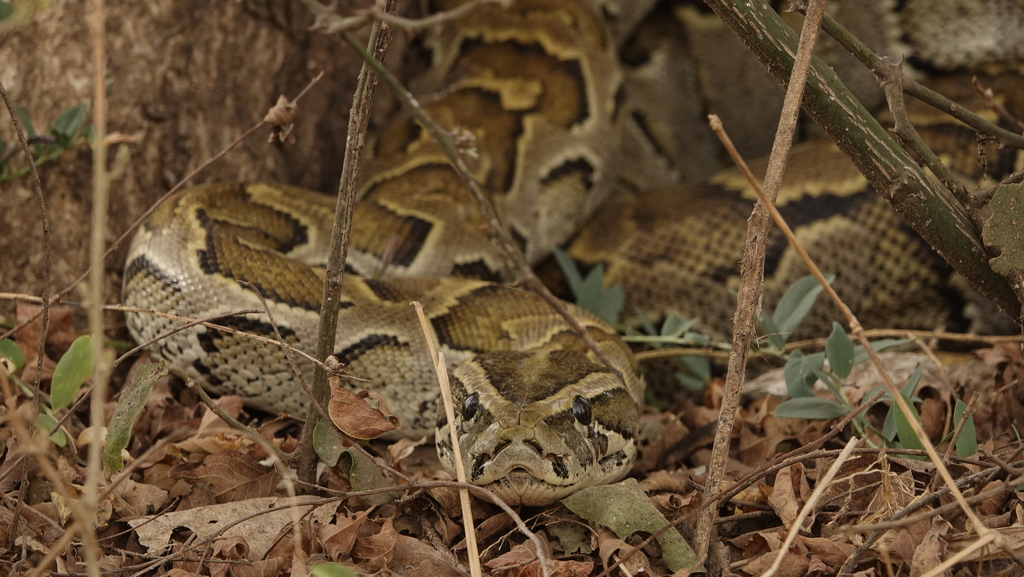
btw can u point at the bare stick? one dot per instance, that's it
(37, 187)
(100, 198)
(334, 276)
(752, 268)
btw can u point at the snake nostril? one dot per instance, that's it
(501, 446)
(535, 446)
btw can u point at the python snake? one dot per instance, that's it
(536, 93)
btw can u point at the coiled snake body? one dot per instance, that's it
(534, 94)
(540, 416)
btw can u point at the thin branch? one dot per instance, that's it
(37, 188)
(890, 77)
(752, 268)
(819, 490)
(334, 276)
(819, 343)
(874, 62)
(97, 277)
(333, 24)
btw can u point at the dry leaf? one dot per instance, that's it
(353, 414)
(337, 539)
(230, 476)
(377, 550)
(260, 528)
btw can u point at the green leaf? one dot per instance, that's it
(6, 10)
(130, 405)
(904, 432)
(26, 122)
(590, 292)
(645, 323)
(69, 124)
(800, 373)
(1002, 229)
(859, 356)
(810, 408)
(46, 422)
(364, 475)
(604, 302)
(699, 367)
(967, 443)
(839, 350)
(569, 269)
(72, 370)
(776, 339)
(675, 326)
(625, 509)
(327, 569)
(830, 382)
(10, 350)
(327, 443)
(690, 382)
(911, 386)
(796, 303)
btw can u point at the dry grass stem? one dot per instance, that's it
(715, 353)
(819, 490)
(448, 406)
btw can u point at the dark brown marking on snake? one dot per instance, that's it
(641, 123)
(413, 241)
(208, 340)
(523, 378)
(476, 269)
(578, 167)
(616, 411)
(805, 211)
(142, 266)
(358, 349)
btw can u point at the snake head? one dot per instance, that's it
(536, 426)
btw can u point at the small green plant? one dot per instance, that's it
(590, 292)
(607, 302)
(67, 130)
(802, 371)
(71, 371)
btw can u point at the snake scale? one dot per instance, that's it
(535, 94)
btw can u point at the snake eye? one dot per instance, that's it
(582, 410)
(470, 407)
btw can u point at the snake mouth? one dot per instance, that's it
(520, 487)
